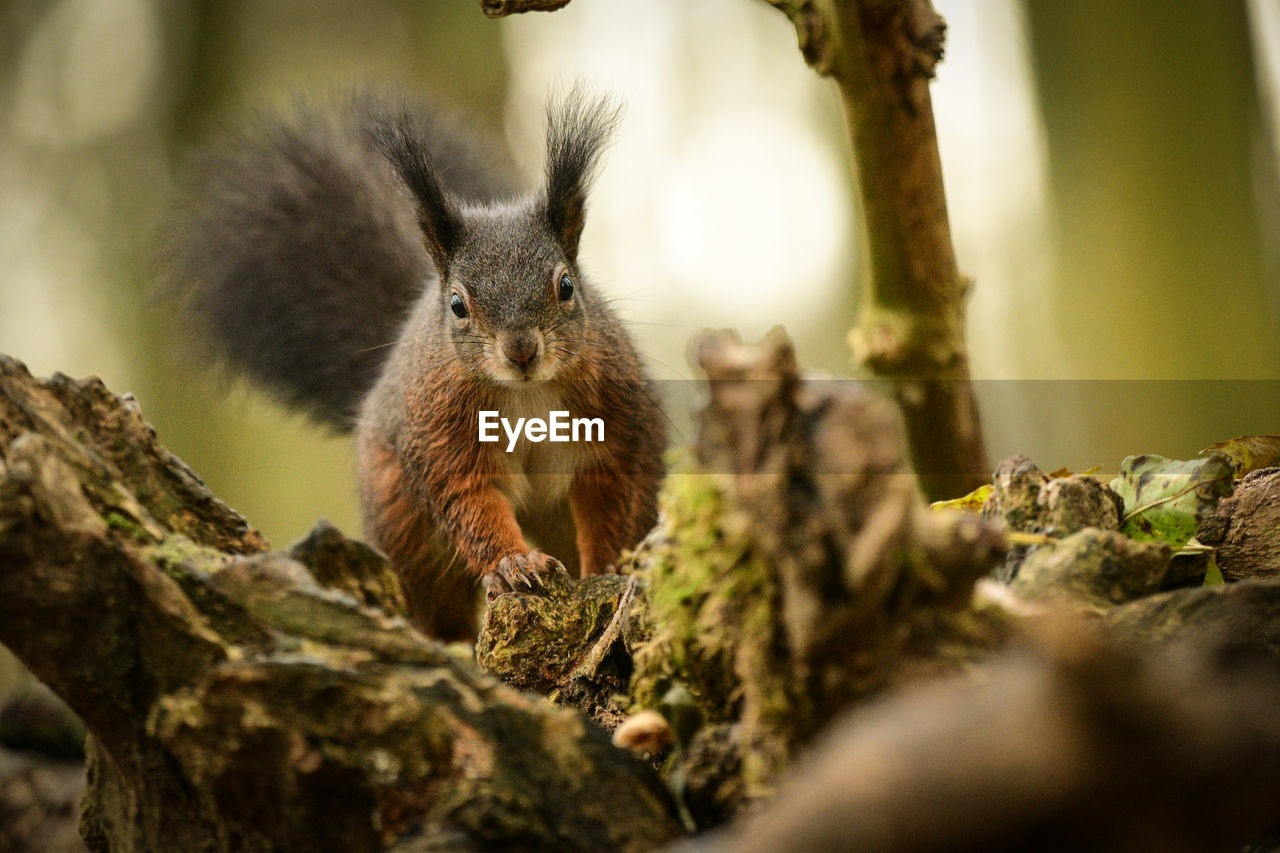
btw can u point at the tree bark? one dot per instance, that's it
(1245, 528)
(502, 8)
(233, 702)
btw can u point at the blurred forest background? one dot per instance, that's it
(1111, 171)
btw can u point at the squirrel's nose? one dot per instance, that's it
(521, 350)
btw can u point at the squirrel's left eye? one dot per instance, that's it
(565, 291)
(458, 307)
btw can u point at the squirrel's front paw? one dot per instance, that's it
(520, 571)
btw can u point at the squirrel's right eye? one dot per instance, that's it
(458, 307)
(565, 291)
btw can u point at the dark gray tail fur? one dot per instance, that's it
(299, 252)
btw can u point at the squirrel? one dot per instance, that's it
(374, 269)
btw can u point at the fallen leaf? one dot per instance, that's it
(1164, 499)
(1067, 472)
(971, 502)
(1249, 452)
(1213, 575)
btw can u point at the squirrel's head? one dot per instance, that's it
(511, 293)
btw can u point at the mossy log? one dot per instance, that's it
(796, 570)
(233, 702)
(237, 697)
(242, 699)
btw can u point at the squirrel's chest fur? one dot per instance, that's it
(536, 475)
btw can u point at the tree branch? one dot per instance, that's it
(881, 54)
(502, 8)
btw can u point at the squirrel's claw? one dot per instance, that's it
(526, 569)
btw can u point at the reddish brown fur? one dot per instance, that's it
(438, 504)
(441, 594)
(605, 525)
(613, 501)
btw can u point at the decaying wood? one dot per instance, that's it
(574, 642)
(233, 702)
(881, 55)
(1245, 528)
(1078, 744)
(799, 571)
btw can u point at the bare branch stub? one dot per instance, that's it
(811, 31)
(928, 32)
(502, 8)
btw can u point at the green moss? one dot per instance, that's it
(708, 599)
(714, 603)
(681, 578)
(127, 526)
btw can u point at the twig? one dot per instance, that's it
(502, 8)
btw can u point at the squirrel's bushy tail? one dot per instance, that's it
(298, 250)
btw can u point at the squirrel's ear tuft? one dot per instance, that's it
(396, 135)
(579, 126)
